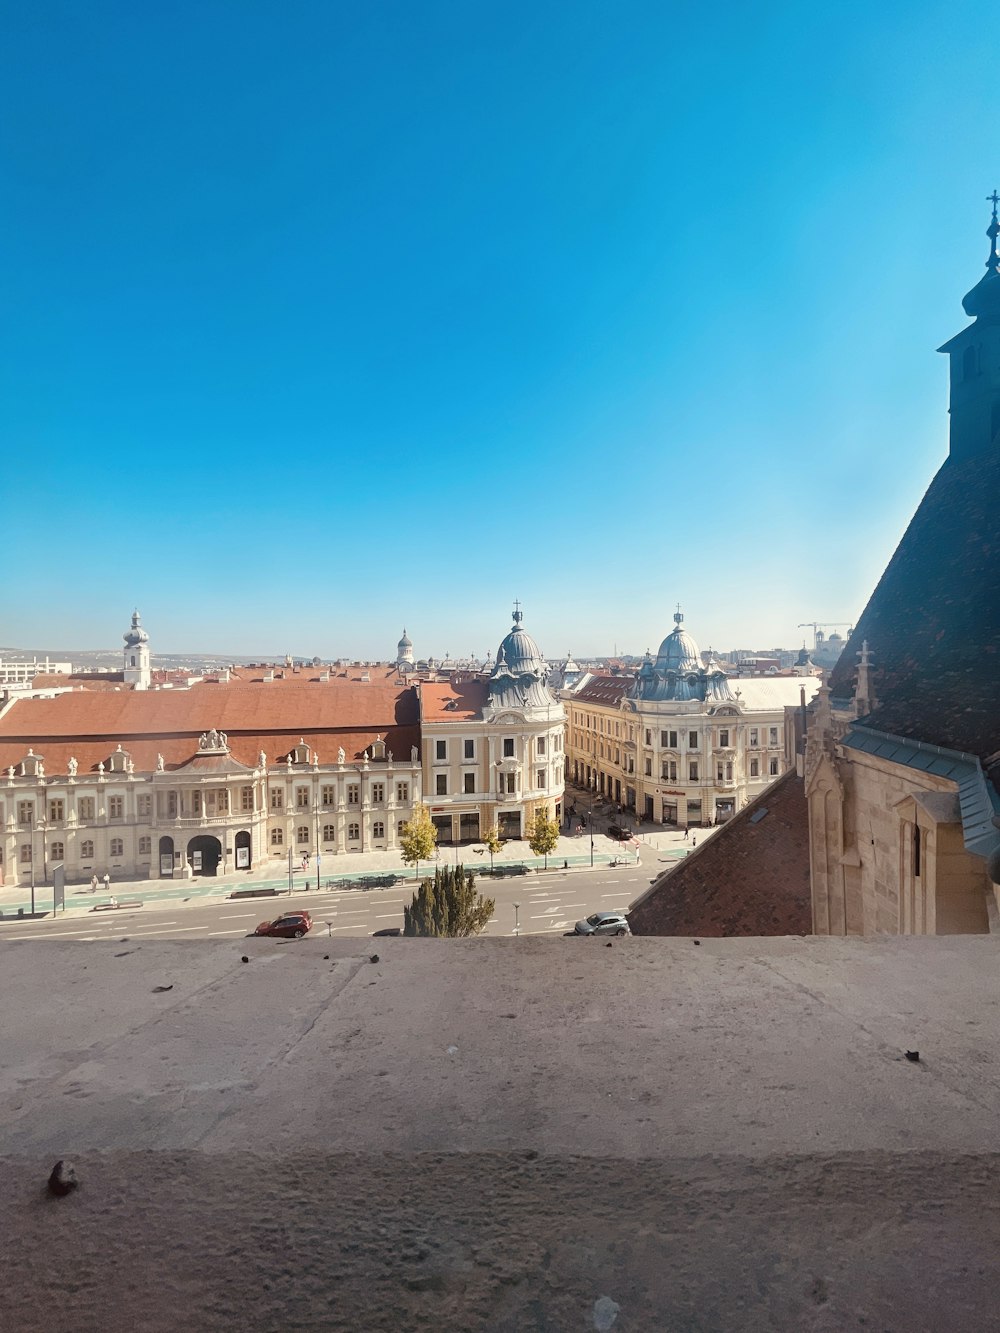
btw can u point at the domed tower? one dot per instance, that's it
(975, 361)
(136, 656)
(520, 671)
(404, 651)
(679, 673)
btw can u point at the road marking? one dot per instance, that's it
(213, 933)
(174, 930)
(53, 935)
(390, 916)
(618, 895)
(354, 911)
(237, 916)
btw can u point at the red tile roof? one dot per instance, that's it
(447, 701)
(751, 877)
(89, 724)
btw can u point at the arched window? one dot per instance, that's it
(86, 849)
(57, 851)
(302, 834)
(329, 833)
(378, 829)
(354, 832)
(277, 837)
(117, 847)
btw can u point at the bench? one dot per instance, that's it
(113, 907)
(254, 893)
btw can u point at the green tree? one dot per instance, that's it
(493, 843)
(542, 834)
(418, 837)
(448, 905)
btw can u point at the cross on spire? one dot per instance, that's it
(518, 614)
(993, 199)
(993, 231)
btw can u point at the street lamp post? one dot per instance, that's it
(517, 928)
(289, 871)
(32, 862)
(317, 871)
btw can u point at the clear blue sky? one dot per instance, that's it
(319, 319)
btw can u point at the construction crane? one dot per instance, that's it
(818, 626)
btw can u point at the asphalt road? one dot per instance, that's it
(548, 904)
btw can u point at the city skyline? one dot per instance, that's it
(327, 323)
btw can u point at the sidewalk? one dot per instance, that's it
(654, 848)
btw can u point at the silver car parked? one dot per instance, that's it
(603, 923)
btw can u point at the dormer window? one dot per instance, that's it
(32, 765)
(378, 748)
(118, 763)
(300, 753)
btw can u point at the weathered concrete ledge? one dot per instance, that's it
(497, 1133)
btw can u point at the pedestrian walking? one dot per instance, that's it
(686, 835)
(107, 881)
(93, 883)
(114, 902)
(694, 840)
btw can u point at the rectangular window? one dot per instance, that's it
(277, 837)
(353, 794)
(25, 812)
(85, 807)
(649, 736)
(772, 767)
(145, 846)
(692, 772)
(441, 750)
(724, 739)
(302, 835)
(222, 801)
(246, 798)
(117, 847)
(729, 771)
(511, 784)
(754, 737)
(302, 798)
(692, 740)
(469, 780)
(441, 784)
(540, 779)
(329, 795)
(56, 812)
(277, 798)
(470, 749)
(172, 804)
(718, 772)
(329, 833)
(25, 854)
(86, 849)
(144, 806)
(540, 745)
(378, 792)
(649, 768)
(772, 736)
(755, 768)
(402, 791)
(116, 807)
(508, 747)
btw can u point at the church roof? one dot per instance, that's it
(933, 622)
(750, 877)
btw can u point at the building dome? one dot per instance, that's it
(519, 652)
(983, 302)
(404, 642)
(136, 635)
(678, 651)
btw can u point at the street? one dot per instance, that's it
(548, 903)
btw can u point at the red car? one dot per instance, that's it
(291, 926)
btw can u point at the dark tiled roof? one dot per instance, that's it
(603, 690)
(933, 622)
(749, 878)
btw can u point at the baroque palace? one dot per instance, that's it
(150, 773)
